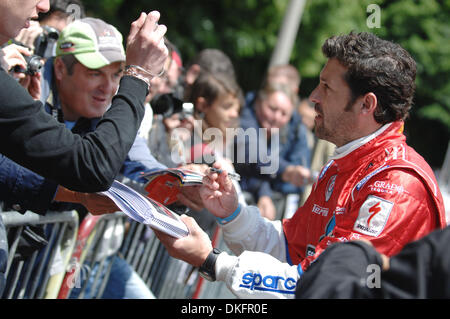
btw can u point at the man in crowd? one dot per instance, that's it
(375, 187)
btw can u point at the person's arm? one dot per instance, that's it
(250, 275)
(353, 270)
(96, 204)
(140, 154)
(248, 230)
(34, 139)
(22, 189)
(260, 270)
(296, 162)
(344, 270)
(420, 270)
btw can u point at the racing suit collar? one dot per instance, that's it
(346, 149)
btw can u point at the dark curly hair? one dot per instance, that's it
(378, 66)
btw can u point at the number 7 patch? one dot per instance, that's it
(373, 216)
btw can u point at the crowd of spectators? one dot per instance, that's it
(94, 111)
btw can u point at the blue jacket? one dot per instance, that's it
(24, 190)
(293, 150)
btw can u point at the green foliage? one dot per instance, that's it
(422, 28)
(321, 19)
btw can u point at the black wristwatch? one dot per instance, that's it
(208, 270)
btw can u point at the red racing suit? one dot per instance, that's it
(382, 191)
(375, 188)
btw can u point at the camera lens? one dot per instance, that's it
(52, 33)
(35, 64)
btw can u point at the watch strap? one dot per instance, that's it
(209, 264)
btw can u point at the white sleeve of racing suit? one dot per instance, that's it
(260, 270)
(250, 231)
(257, 275)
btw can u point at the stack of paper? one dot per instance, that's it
(145, 210)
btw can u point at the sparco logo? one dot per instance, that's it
(268, 283)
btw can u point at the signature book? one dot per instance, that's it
(164, 185)
(146, 210)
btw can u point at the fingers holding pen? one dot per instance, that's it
(211, 186)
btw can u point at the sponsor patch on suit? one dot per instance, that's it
(373, 216)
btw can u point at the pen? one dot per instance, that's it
(233, 176)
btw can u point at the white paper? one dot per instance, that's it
(146, 211)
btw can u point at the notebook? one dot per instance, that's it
(146, 210)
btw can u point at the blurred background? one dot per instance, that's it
(248, 31)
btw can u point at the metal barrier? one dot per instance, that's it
(83, 257)
(99, 238)
(38, 273)
(167, 278)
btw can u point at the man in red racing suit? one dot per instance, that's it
(382, 191)
(374, 187)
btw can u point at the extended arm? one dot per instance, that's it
(32, 138)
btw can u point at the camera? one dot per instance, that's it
(34, 65)
(167, 105)
(45, 43)
(44, 48)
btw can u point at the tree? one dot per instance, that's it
(422, 28)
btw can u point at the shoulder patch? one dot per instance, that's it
(373, 216)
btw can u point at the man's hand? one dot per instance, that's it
(13, 55)
(296, 175)
(190, 196)
(32, 83)
(384, 258)
(96, 204)
(218, 193)
(193, 248)
(145, 43)
(267, 208)
(28, 36)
